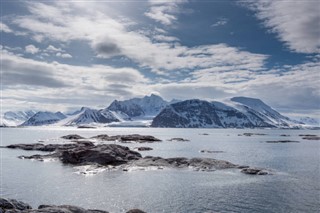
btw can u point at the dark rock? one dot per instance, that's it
(284, 135)
(86, 127)
(48, 147)
(242, 167)
(311, 138)
(143, 148)
(204, 164)
(307, 135)
(72, 137)
(127, 138)
(178, 139)
(105, 154)
(250, 134)
(282, 141)
(135, 211)
(254, 171)
(85, 143)
(6, 204)
(203, 134)
(210, 151)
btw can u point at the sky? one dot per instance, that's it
(61, 55)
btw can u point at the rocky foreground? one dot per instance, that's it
(84, 153)
(15, 206)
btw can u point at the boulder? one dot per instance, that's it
(143, 148)
(105, 154)
(128, 138)
(254, 171)
(178, 140)
(72, 137)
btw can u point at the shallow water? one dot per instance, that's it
(294, 187)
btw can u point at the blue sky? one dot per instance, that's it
(60, 55)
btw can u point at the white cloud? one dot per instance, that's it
(165, 38)
(5, 28)
(296, 23)
(52, 48)
(63, 55)
(164, 12)
(163, 55)
(31, 49)
(35, 83)
(220, 22)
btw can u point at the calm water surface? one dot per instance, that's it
(294, 187)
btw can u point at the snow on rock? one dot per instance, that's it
(239, 112)
(44, 118)
(15, 118)
(139, 107)
(253, 106)
(88, 116)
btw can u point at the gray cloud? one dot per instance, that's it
(15, 74)
(106, 49)
(34, 79)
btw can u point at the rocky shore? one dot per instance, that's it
(15, 206)
(86, 153)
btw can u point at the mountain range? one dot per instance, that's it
(237, 112)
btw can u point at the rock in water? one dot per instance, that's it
(105, 154)
(72, 137)
(254, 171)
(12, 204)
(135, 211)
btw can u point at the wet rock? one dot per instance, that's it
(250, 134)
(143, 148)
(178, 140)
(210, 151)
(283, 141)
(203, 164)
(203, 134)
(242, 167)
(86, 127)
(135, 211)
(307, 135)
(127, 138)
(311, 138)
(47, 147)
(12, 204)
(254, 171)
(72, 137)
(105, 154)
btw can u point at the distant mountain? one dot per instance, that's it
(14, 118)
(239, 112)
(265, 112)
(88, 116)
(309, 121)
(44, 118)
(138, 107)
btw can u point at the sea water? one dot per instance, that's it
(294, 185)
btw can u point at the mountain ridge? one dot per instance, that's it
(236, 112)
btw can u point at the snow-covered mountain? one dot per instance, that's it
(43, 118)
(15, 118)
(262, 110)
(88, 116)
(139, 107)
(309, 121)
(239, 112)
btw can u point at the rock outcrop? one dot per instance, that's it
(128, 138)
(86, 153)
(15, 206)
